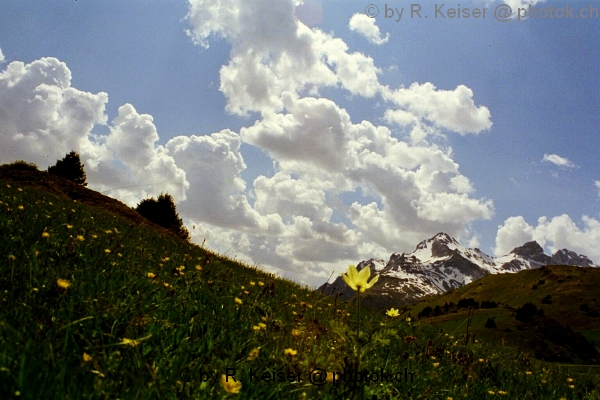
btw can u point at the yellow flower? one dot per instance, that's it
(290, 352)
(572, 386)
(151, 275)
(252, 283)
(21, 208)
(109, 231)
(45, 234)
(408, 319)
(264, 319)
(261, 283)
(230, 384)
(392, 312)
(107, 251)
(481, 360)
(358, 280)
(262, 325)
(295, 332)
(80, 238)
(130, 342)
(63, 283)
(94, 236)
(166, 284)
(69, 226)
(199, 268)
(569, 380)
(502, 392)
(11, 257)
(256, 328)
(491, 392)
(528, 372)
(253, 354)
(436, 364)
(87, 357)
(238, 301)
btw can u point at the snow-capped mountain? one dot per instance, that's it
(440, 264)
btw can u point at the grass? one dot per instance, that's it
(139, 314)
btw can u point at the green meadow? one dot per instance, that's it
(94, 305)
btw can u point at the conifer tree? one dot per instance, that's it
(70, 168)
(162, 211)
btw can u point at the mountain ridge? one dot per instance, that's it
(440, 264)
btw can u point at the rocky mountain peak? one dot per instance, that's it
(528, 249)
(568, 257)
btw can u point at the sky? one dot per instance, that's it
(303, 136)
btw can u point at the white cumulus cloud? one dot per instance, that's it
(557, 233)
(365, 26)
(558, 160)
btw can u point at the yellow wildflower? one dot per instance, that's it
(572, 386)
(130, 342)
(94, 236)
(436, 364)
(63, 283)
(45, 234)
(502, 392)
(87, 357)
(252, 283)
(253, 354)
(290, 352)
(528, 372)
(359, 280)
(569, 380)
(256, 328)
(238, 301)
(392, 312)
(80, 238)
(262, 325)
(491, 392)
(264, 319)
(166, 284)
(12, 257)
(150, 275)
(21, 208)
(230, 384)
(199, 268)
(69, 226)
(408, 319)
(107, 251)
(295, 332)
(261, 283)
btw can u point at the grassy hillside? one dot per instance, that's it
(98, 305)
(567, 294)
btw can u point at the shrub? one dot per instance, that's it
(470, 302)
(162, 211)
(490, 323)
(425, 312)
(584, 308)
(23, 165)
(489, 304)
(527, 312)
(70, 168)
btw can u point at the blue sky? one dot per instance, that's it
(503, 119)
